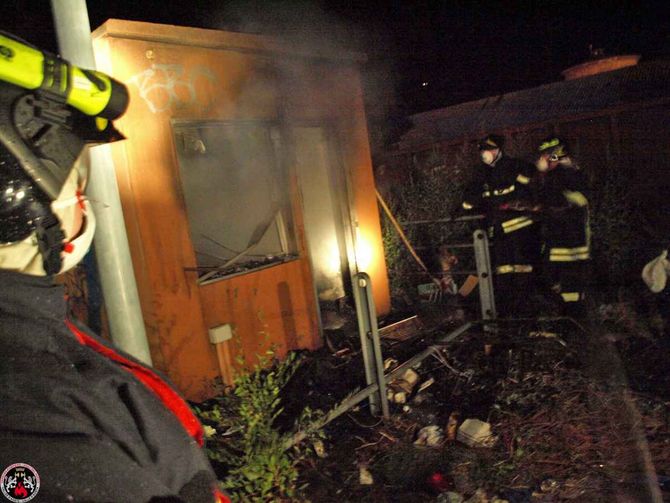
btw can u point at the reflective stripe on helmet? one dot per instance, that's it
(549, 144)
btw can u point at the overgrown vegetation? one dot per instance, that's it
(246, 440)
(432, 191)
(615, 233)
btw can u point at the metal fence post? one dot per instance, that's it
(370, 344)
(485, 274)
(112, 253)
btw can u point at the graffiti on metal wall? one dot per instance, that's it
(164, 86)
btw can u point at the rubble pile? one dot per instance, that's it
(525, 422)
(521, 414)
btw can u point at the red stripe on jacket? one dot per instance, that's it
(163, 391)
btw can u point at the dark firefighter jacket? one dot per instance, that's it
(562, 193)
(494, 190)
(96, 425)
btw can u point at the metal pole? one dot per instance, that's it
(370, 344)
(373, 388)
(465, 218)
(73, 31)
(483, 261)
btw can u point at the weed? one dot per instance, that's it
(260, 468)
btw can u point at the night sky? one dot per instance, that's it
(422, 55)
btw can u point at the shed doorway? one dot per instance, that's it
(325, 213)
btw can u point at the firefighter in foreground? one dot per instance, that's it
(563, 195)
(500, 189)
(84, 421)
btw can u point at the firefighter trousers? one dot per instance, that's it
(515, 255)
(567, 254)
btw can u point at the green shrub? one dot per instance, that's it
(260, 468)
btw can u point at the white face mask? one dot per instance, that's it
(487, 157)
(24, 256)
(542, 164)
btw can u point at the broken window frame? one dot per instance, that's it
(282, 222)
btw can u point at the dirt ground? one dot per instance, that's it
(579, 412)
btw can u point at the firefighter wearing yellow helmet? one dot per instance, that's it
(89, 422)
(563, 195)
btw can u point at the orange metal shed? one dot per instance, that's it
(178, 75)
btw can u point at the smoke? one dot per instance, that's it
(318, 26)
(305, 23)
(329, 29)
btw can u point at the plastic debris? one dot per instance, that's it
(450, 497)
(475, 433)
(468, 286)
(655, 272)
(430, 292)
(430, 436)
(401, 330)
(399, 389)
(547, 335)
(426, 384)
(364, 476)
(342, 352)
(540, 333)
(478, 497)
(390, 363)
(549, 485)
(319, 449)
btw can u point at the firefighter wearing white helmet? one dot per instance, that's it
(500, 188)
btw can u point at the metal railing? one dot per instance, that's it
(370, 343)
(484, 271)
(373, 360)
